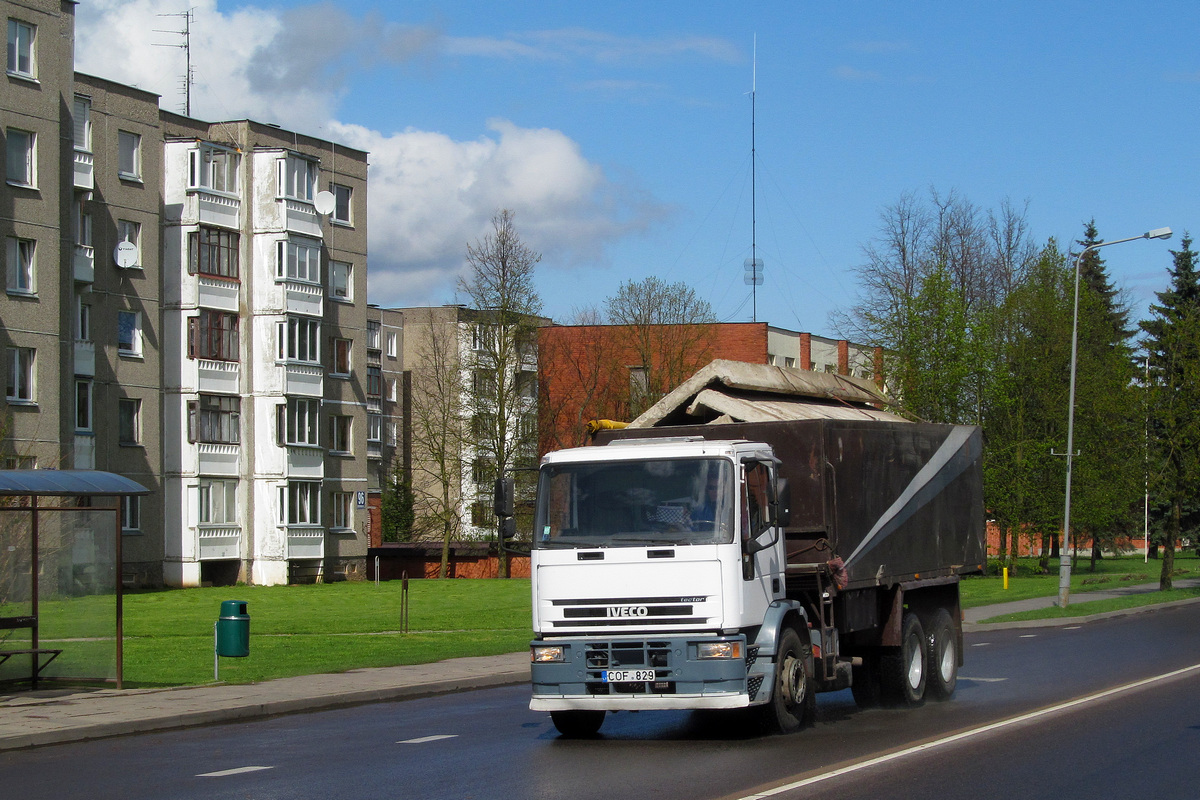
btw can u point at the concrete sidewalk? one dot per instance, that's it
(55, 716)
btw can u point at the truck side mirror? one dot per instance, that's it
(783, 503)
(502, 503)
(508, 529)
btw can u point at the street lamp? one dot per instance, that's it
(1064, 569)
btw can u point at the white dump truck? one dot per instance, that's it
(760, 535)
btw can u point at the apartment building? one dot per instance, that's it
(186, 305)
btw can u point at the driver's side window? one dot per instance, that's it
(754, 499)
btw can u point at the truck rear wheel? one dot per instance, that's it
(793, 703)
(903, 670)
(577, 724)
(942, 656)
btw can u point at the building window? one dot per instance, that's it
(21, 54)
(129, 333)
(131, 513)
(374, 428)
(129, 155)
(82, 223)
(131, 232)
(129, 423)
(341, 205)
(214, 251)
(83, 406)
(21, 167)
(341, 357)
(372, 335)
(393, 392)
(339, 280)
(393, 433)
(298, 260)
(218, 501)
(482, 515)
(483, 338)
(299, 339)
(21, 266)
(214, 168)
(789, 362)
(296, 422)
(297, 176)
(341, 429)
(374, 382)
(391, 344)
(343, 511)
(215, 419)
(213, 335)
(21, 374)
(81, 115)
(19, 462)
(83, 320)
(300, 503)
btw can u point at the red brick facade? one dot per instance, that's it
(591, 372)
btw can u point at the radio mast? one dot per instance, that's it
(754, 264)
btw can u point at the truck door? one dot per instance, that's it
(760, 565)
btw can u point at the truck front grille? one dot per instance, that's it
(601, 656)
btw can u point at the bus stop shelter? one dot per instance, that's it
(60, 575)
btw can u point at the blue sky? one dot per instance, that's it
(619, 132)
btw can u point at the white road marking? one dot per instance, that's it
(425, 739)
(958, 737)
(238, 771)
(982, 680)
(981, 644)
(1028, 635)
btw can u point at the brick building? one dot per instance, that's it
(615, 372)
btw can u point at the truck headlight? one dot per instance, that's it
(719, 650)
(543, 654)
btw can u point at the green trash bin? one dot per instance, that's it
(233, 630)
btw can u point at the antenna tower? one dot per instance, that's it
(754, 264)
(186, 33)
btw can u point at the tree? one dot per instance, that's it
(437, 430)
(503, 361)
(396, 508)
(671, 331)
(1173, 388)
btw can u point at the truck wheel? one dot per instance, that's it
(903, 670)
(577, 724)
(793, 703)
(941, 656)
(864, 683)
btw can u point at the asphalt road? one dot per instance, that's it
(1011, 737)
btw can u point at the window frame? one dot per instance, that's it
(129, 154)
(287, 260)
(214, 336)
(129, 421)
(27, 154)
(300, 503)
(81, 118)
(22, 376)
(130, 231)
(298, 340)
(134, 350)
(84, 405)
(342, 204)
(17, 51)
(341, 434)
(131, 513)
(217, 495)
(341, 511)
(216, 169)
(290, 179)
(215, 419)
(341, 286)
(342, 361)
(296, 429)
(21, 266)
(209, 245)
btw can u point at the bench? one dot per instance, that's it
(37, 664)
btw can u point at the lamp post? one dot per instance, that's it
(1064, 569)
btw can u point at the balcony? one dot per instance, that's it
(84, 178)
(85, 358)
(219, 542)
(85, 451)
(305, 541)
(302, 298)
(301, 217)
(210, 208)
(84, 262)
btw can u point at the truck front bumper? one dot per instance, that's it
(632, 673)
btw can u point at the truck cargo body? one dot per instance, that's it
(832, 558)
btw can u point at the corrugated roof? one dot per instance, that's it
(760, 409)
(66, 482)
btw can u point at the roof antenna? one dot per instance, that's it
(754, 264)
(186, 33)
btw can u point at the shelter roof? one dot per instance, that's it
(66, 482)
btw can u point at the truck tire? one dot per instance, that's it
(903, 672)
(577, 724)
(793, 703)
(864, 683)
(941, 656)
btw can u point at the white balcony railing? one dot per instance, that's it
(85, 358)
(84, 178)
(84, 262)
(218, 542)
(305, 541)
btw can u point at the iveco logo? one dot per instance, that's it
(627, 611)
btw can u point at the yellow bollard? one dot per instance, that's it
(1006, 579)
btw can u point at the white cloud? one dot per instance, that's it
(428, 195)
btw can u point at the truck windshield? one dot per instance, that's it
(632, 503)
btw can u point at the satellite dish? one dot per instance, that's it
(125, 255)
(325, 202)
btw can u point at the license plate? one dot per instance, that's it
(628, 675)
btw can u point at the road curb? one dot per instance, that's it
(969, 627)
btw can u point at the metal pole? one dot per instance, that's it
(1064, 569)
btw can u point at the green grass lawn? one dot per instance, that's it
(299, 630)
